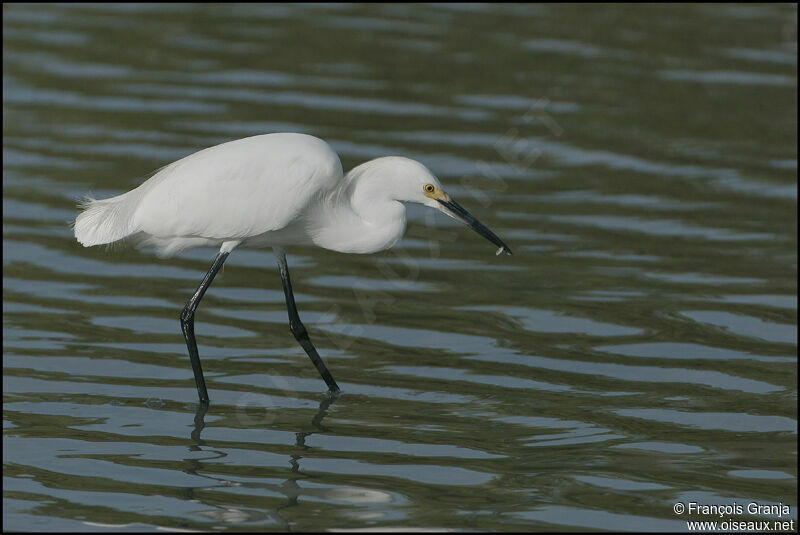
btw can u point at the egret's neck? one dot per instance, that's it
(373, 203)
(361, 217)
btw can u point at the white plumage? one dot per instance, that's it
(236, 190)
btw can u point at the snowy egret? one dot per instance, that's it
(271, 190)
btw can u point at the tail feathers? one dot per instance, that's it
(103, 221)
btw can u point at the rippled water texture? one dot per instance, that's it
(638, 349)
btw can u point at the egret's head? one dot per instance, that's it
(404, 179)
(407, 180)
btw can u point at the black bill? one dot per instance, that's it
(456, 211)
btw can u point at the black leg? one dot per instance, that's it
(297, 327)
(187, 325)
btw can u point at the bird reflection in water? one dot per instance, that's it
(288, 488)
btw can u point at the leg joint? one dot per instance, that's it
(298, 329)
(187, 314)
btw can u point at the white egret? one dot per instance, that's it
(271, 190)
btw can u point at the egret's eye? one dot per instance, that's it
(429, 188)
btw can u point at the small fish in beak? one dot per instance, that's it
(456, 211)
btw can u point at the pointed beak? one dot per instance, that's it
(456, 211)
